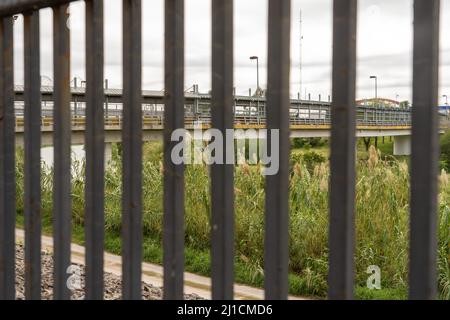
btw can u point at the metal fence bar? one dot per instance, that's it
(32, 160)
(7, 162)
(424, 159)
(342, 159)
(10, 7)
(222, 175)
(173, 235)
(62, 204)
(425, 151)
(132, 152)
(95, 151)
(276, 255)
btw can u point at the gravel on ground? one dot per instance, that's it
(112, 283)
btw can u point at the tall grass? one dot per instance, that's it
(382, 199)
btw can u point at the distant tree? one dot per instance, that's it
(366, 142)
(405, 104)
(380, 103)
(259, 93)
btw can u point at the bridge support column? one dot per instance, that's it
(402, 145)
(108, 153)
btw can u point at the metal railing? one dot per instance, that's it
(424, 159)
(312, 117)
(198, 106)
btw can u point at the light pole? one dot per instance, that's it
(257, 73)
(257, 84)
(376, 86)
(446, 99)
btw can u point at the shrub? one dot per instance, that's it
(296, 157)
(308, 143)
(312, 158)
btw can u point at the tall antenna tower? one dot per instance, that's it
(300, 55)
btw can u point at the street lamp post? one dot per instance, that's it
(376, 86)
(257, 72)
(446, 99)
(257, 83)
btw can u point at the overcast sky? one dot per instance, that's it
(384, 45)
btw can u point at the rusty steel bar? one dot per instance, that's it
(222, 175)
(342, 158)
(425, 151)
(62, 203)
(7, 162)
(173, 235)
(132, 152)
(32, 157)
(276, 240)
(95, 151)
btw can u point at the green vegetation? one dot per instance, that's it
(382, 196)
(445, 151)
(308, 143)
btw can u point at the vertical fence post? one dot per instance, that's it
(276, 253)
(425, 151)
(62, 204)
(132, 151)
(32, 161)
(222, 175)
(95, 155)
(173, 235)
(342, 159)
(7, 161)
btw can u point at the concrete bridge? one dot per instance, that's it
(307, 118)
(153, 130)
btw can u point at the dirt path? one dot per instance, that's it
(195, 286)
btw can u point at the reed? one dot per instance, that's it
(382, 205)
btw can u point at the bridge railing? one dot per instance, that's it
(305, 115)
(157, 122)
(343, 116)
(199, 106)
